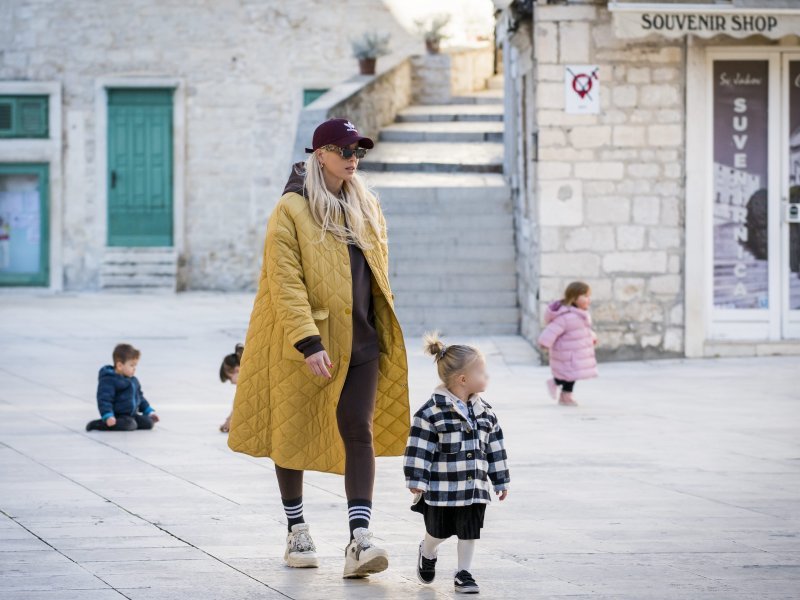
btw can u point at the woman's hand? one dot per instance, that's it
(319, 363)
(502, 495)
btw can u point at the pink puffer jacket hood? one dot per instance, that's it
(570, 340)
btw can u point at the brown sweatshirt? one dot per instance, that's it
(365, 336)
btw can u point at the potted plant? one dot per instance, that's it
(368, 48)
(432, 31)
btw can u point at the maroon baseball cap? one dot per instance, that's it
(339, 132)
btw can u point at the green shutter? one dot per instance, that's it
(23, 117)
(311, 94)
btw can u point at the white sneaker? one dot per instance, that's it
(300, 549)
(362, 557)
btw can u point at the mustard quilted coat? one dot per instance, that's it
(281, 409)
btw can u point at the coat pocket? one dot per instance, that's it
(320, 316)
(451, 438)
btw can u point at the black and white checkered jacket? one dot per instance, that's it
(454, 462)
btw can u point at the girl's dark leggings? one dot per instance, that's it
(354, 416)
(565, 385)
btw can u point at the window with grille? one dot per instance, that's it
(23, 116)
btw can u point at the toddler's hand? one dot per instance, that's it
(226, 426)
(503, 495)
(416, 491)
(111, 421)
(154, 418)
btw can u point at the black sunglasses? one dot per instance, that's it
(347, 153)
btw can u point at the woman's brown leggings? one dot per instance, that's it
(354, 416)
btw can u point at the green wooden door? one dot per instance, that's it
(24, 224)
(140, 167)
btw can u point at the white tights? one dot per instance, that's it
(466, 550)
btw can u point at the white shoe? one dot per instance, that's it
(362, 557)
(300, 549)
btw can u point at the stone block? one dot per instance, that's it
(666, 284)
(627, 289)
(673, 340)
(605, 38)
(671, 212)
(549, 238)
(651, 341)
(566, 153)
(560, 202)
(571, 12)
(553, 118)
(669, 115)
(629, 135)
(608, 209)
(664, 238)
(552, 136)
(659, 95)
(571, 264)
(665, 135)
(630, 237)
(575, 42)
(638, 75)
(646, 210)
(600, 170)
(550, 95)
(601, 288)
(624, 96)
(635, 262)
(665, 74)
(597, 238)
(614, 117)
(550, 288)
(554, 170)
(676, 315)
(547, 72)
(545, 43)
(591, 136)
(648, 170)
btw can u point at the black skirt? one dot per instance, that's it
(441, 522)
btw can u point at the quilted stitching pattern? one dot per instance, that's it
(280, 409)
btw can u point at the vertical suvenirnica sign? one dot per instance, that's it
(794, 182)
(741, 90)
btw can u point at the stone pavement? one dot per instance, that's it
(674, 479)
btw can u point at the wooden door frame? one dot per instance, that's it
(102, 85)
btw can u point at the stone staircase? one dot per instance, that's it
(139, 269)
(438, 173)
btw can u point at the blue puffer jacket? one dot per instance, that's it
(118, 395)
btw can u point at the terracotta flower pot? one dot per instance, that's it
(367, 66)
(432, 46)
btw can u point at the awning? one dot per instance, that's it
(674, 20)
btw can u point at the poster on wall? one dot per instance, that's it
(741, 279)
(20, 224)
(794, 182)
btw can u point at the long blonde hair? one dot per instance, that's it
(346, 217)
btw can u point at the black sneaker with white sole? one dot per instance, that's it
(465, 584)
(426, 567)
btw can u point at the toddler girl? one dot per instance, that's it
(453, 458)
(229, 371)
(570, 340)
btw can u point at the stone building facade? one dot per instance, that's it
(622, 196)
(224, 80)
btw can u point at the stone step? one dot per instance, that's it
(468, 225)
(114, 255)
(134, 282)
(139, 269)
(428, 208)
(451, 112)
(490, 96)
(478, 250)
(438, 157)
(477, 282)
(133, 269)
(449, 240)
(452, 265)
(459, 320)
(454, 297)
(431, 186)
(447, 131)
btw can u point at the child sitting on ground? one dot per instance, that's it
(120, 400)
(229, 371)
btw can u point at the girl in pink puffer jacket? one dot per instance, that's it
(570, 340)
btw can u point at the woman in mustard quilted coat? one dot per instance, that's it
(323, 380)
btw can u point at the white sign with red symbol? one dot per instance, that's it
(582, 89)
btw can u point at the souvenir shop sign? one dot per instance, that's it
(635, 20)
(582, 89)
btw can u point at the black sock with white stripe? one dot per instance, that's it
(294, 511)
(359, 512)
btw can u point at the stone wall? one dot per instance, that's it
(243, 65)
(609, 187)
(452, 72)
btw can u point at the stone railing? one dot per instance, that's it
(369, 101)
(454, 72)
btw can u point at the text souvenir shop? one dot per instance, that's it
(742, 163)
